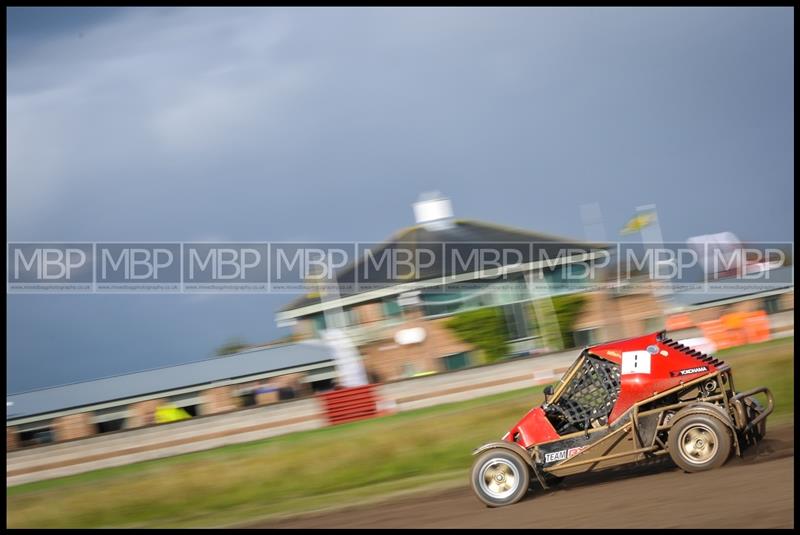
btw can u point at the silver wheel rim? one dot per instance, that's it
(698, 444)
(499, 478)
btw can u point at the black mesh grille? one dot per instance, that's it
(590, 395)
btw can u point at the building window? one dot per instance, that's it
(440, 301)
(110, 426)
(517, 321)
(352, 316)
(456, 361)
(391, 308)
(321, 380)
(286, 392)
(35, 433)
(585, 337)
(653, 324)
(248, 396)
(557, 278)
(318, 323)
(109, 420)
(249, 399)
(511, 290)
(323, 385)
(190, 403)
(772, 304)
(374, 377)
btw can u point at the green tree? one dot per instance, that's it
(485, 328)
(234, 345)
(566, 309)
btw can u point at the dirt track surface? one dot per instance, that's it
(756, 491)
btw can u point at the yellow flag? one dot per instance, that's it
(638, 222)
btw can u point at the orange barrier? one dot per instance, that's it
(734, 320)
(350, 404)
(737, 328)
(676, 322)
(756, 327)
(715, 331)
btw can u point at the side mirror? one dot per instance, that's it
(548, 391)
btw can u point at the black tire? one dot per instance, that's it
(699, 442)
(500, 477)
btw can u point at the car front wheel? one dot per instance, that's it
(500, 477)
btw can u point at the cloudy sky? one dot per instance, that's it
(326, 124)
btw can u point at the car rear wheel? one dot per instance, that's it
(500, 477)
(699, 442)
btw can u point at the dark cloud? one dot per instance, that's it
(326, 124)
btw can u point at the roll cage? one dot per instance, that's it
(585, 395)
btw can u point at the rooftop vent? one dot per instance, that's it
(433, 211)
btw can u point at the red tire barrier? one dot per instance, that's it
(350, 404)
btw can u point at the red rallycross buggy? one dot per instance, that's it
(623, 402)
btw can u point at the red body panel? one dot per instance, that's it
(534, 428)
(665, 367)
